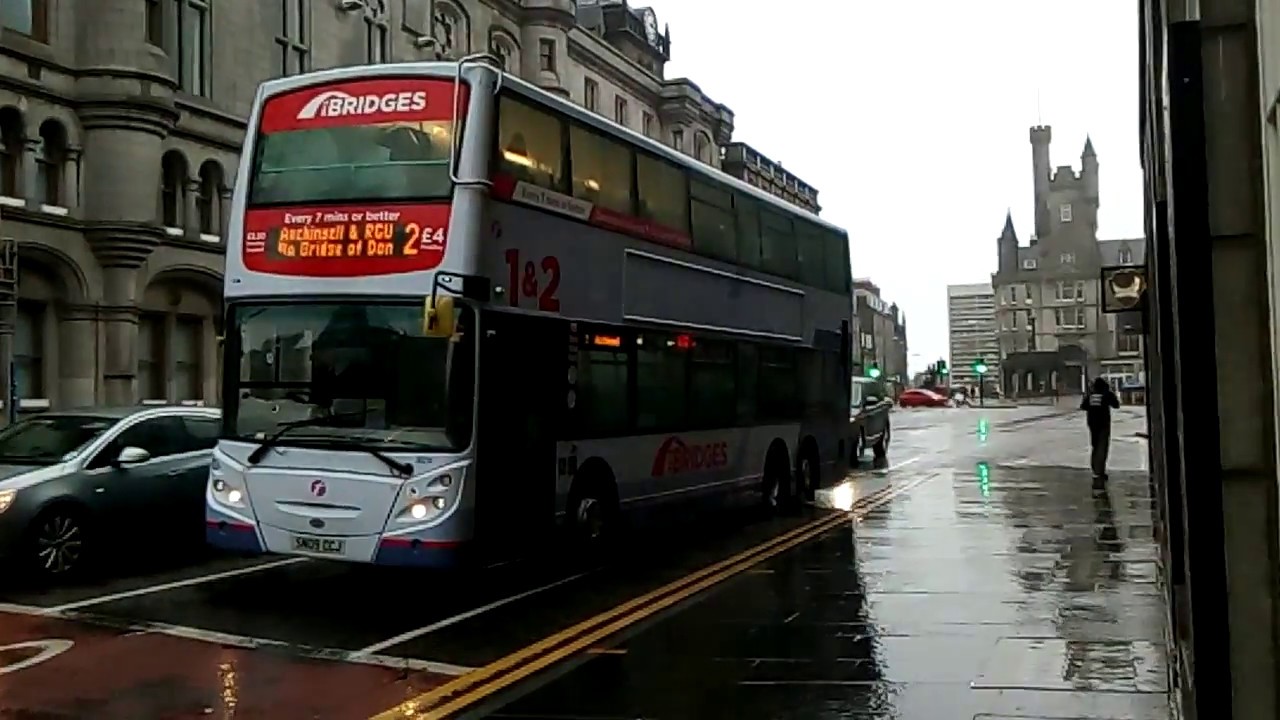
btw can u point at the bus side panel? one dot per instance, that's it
(673, 467)
(522, 395)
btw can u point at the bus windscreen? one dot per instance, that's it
(370, 140)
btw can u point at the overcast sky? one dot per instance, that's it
(911, 120)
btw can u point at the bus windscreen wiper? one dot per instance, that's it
(260, 452)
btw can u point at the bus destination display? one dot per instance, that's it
(345, 241)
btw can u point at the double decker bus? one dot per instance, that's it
(463, 313)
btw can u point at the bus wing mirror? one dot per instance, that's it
(437, 317)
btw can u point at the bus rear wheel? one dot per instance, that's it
(777, 484)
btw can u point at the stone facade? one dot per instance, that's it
(1053, 335)
(881, 332)
(120, 126)
(750, 166)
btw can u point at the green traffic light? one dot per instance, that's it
(873, 373)
(944, 371)
(980, 368)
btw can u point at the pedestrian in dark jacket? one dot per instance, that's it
(1097, 406)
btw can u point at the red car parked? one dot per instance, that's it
(919, 397)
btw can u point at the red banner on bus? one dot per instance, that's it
(362, 102)
(345, 241)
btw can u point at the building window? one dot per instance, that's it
(27, 17)
(620, 111)
(50, 163)
(208, 203)
(1064, 212)
(28, 350)
(590, 94)
(646, 124)
(547, 55)
(677, 140)
(377, 33)
(1068, 258)
(173, 188)
(1126, 256)
(1070, 318)
(192, 57)
(1029, 264)
(293, 38)
(1127, 343)
(154, 23)
(11, 131)
(151, 356)
(186, 358)
(702, 147)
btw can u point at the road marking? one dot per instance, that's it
(441, 624)
(884, 471)
(446, 700)
(49, 649)
(247, 642)
(176, 584)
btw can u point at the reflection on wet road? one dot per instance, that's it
(995, 590)
(996, 582)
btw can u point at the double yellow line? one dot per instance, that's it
(464, 691)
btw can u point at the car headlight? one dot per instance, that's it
(6, 499)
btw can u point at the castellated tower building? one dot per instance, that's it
(1053, 336)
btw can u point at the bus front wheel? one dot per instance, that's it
(593, 512)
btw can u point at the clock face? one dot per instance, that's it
(651, 25)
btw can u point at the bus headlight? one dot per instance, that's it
(6, 499)
(226, 493)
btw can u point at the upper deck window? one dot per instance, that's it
(386, 139)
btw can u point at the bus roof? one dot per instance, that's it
(449, 70)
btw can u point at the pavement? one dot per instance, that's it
(978, 575)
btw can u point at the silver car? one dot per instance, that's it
(77, 484)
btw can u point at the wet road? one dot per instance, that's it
(948, 585)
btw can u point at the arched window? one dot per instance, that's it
(208, 204)
(702, 147)
(10, 151)
(173, 188)
(51, 163)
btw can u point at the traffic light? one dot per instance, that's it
(943, 369)
(980, 367)
(873, 372)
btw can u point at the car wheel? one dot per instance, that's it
(58, 542)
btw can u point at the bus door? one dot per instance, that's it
(523, 370)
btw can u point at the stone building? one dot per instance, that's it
(1053, 335)
(750, 166)
(881, 332)
(120, 126)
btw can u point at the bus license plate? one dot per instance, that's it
(323, 546)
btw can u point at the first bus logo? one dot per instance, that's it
(335, 103)
(675, 456)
